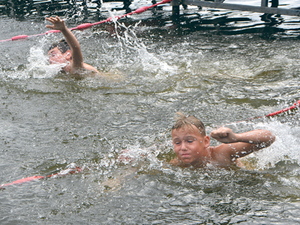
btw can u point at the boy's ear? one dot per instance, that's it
(206, 141)
(68, 55)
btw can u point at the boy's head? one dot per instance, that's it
(59, 52)
(62, 46)
(189, 140)
(187, 121)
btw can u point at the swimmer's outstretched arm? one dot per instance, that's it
(238, 145)
(226, 135)
(59, 24)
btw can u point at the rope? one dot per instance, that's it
(33, 178)
(296, 105)
(88, 25)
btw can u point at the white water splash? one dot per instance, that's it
(286, 146)
(150, 62)
(39, 67)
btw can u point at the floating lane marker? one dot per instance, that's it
(72, 170)
(88, 25)
(296, 105)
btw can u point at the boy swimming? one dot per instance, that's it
(68, 51)
(192, 145)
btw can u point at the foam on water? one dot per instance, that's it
(285, 148)
(39, 66)
(149, 62)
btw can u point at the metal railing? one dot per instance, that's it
(241, 7)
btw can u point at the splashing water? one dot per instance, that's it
(150, 62)
(285, 148)
(39, 66)
(128, 43)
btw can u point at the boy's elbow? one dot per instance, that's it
(271, 139)
(266, 140)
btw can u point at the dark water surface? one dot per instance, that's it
(50, 122)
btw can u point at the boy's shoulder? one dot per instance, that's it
(82, 72)
(220, 153)
(90, 68)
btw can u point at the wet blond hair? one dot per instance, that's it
(186, 120)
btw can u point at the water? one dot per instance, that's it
(49, 122)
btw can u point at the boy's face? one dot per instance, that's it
(56, 57)
(190, 145)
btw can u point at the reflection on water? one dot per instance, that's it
(49, 121)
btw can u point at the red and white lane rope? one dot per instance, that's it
(71, 170)
(88, 25)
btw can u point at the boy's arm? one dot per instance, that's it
(238, 145)
(59, 24)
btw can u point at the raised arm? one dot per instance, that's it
(59, 24)
(238, 145)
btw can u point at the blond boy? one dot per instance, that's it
(192, 145)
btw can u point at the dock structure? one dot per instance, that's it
(220, 4)
(92, 8)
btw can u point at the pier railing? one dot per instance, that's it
(241, 7)
(91, 8)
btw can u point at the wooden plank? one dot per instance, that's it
(269, 10)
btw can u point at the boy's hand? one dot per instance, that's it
(58, 24)
(224, 135)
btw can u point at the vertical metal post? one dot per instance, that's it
(99, 4)
(126, 4)
(264, 3)
(175, 10)
(85, 9)
(275, 3)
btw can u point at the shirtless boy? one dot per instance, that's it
(192, 145)
(68, 52)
